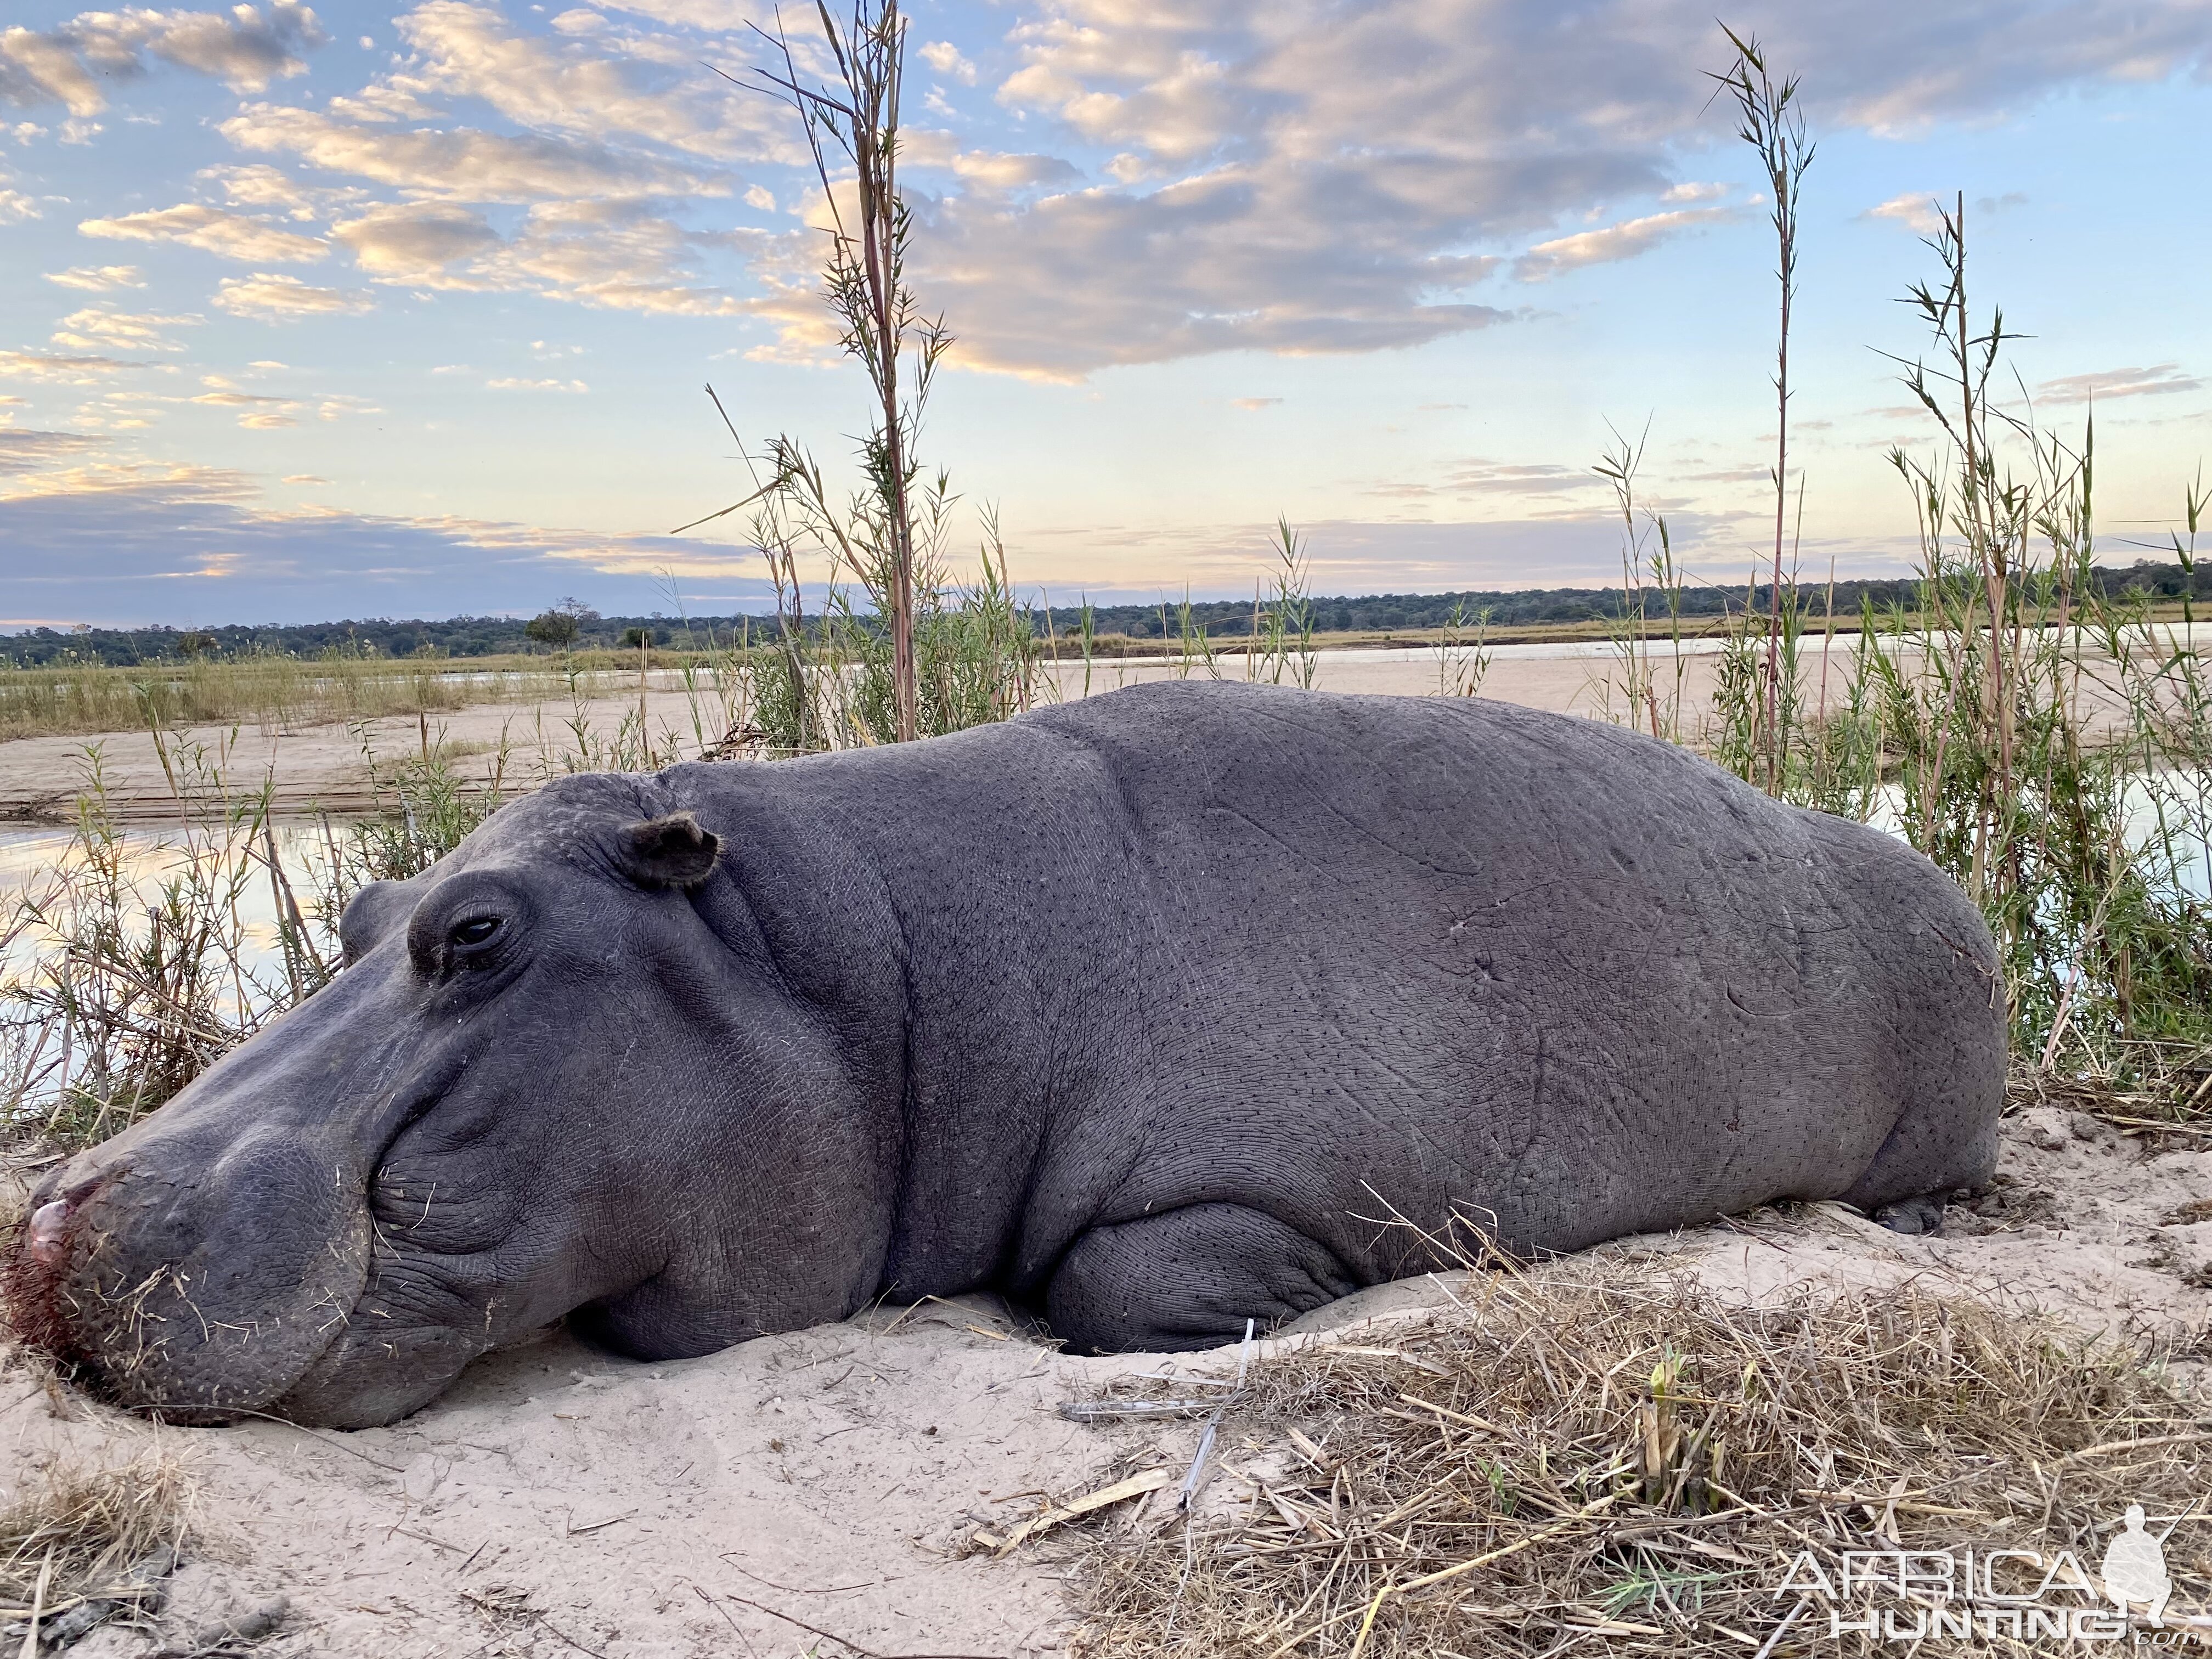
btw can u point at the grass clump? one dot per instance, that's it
(1586, 1456)
(272, 691)
(88, 1541)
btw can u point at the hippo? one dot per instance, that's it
(1183, 1006)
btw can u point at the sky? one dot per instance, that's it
(379, 310)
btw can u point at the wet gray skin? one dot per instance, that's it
(1138, 1010)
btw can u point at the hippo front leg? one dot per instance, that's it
(1188, 1278)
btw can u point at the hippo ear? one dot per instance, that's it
(669, 852)
(369, 916)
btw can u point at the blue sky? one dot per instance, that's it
(367, 310)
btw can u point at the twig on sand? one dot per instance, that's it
(1109, 1411)
(735, 1629)
(842, 1641)
(335, 1445)
(799, 1590)
(1195, 1482)
(1137, 1485)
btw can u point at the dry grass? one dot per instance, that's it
(1586, 1461)
(91, 1532)
(271, 691)
(2162, 1090)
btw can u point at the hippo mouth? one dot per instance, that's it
(33, 1271)
(186, 1335)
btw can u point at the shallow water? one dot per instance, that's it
(31, 859)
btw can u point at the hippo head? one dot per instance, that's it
(524, 1097)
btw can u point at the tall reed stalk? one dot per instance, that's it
(1771, 121)
(910, 654)
(879, 320)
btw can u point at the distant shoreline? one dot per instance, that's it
(1515, 617)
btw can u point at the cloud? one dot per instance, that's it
(1917, 212)
(338, 406)
(619, 255)
(944, 57)
(96, 328)
(1622, 241)
(1318, 177)
(59, 369)
(2154, 381)
(623, 85)
(462, 164)
(98, 279)
(211, 230)
(1481, 477)
(244, 48)
(258, 185)
(274, 298)
(23, 450)
(305, 478)
(1082, 280)
(988, 170)
(15, 207)
(257, 412)
(1921, 213)
(127, 542)
(1243, 175)
(511, 384)
(1253, 405)
(415, 242)
(715, 16)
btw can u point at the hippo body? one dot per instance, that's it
(1158, 1012)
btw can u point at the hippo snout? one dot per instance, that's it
(33, 1274)
(195, 1289)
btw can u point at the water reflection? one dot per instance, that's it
(31, 862)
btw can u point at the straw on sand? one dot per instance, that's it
(1584, 1460)
(89, 1532)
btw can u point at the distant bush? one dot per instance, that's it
(555, 627)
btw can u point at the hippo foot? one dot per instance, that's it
(1188, 1278)
(1915, 1216)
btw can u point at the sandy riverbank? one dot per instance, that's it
(561, 1500)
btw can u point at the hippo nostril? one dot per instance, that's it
(44, 1241)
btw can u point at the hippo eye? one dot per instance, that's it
(475, 931)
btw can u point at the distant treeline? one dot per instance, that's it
(1224, 620)
(1229, 619)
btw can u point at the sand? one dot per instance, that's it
(322, 767)
(559, 1500)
